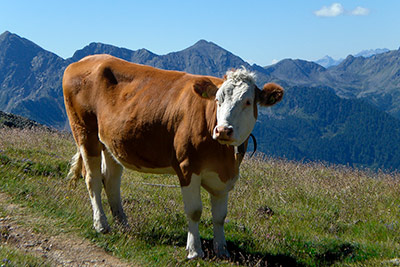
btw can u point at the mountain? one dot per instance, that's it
(140, 56)
(327, 61)
(203, 57)
(30, 81)
(375, 79)
(292, 72)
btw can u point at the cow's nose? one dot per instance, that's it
(224, 132)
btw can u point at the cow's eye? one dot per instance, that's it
(248, 103)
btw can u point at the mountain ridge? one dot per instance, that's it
(375, 79)
(328, 61)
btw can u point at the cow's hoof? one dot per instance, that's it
(223, 254)
(101, 227)
(195, 254)
(123, 226)
(221, 251)
(103, 230)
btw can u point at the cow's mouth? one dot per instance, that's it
(225, 141)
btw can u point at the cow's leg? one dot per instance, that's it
(219, 208)
(93, 180)
(193, 209)
(112, 172)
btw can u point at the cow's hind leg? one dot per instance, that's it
(112, 172)
(92, 161)
(193, 210)
(219, 208)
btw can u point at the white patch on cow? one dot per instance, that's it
(235, 105)
(213, 184)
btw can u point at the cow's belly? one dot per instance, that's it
(213, 184)
(166, 170)
(135, 162)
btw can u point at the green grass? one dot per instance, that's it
(10, 257)
(280, 212)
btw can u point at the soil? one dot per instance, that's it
(65, 249)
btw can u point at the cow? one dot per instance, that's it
(150, 120)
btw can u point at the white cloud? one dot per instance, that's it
(360, 11)
(334, 10)
(337, 9)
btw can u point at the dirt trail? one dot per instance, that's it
(59, 250)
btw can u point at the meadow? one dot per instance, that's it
(280, 213)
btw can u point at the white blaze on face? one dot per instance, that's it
(235, 107)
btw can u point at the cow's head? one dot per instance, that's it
(236, 101)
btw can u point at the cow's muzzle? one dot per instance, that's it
(223, 134)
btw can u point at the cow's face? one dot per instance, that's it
(236, 101)
(236, 111)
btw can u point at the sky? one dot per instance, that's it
(259, 31)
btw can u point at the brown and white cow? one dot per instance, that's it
(158, 121)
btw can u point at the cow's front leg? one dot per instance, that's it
(219, 208)
(193, 209)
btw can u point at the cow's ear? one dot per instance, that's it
(271, 94)
(205, 88)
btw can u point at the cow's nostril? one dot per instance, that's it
(229, 131)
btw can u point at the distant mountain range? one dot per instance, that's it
(336, 114)
(328, 61)
(375, 79)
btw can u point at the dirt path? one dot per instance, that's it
(59, 250)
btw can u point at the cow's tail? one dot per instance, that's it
(76, 169)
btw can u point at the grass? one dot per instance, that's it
(280, 212)
(10, 257)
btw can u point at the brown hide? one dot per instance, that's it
(146, 117)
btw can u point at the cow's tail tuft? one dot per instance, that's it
(76, 169)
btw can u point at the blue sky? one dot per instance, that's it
(259, 31)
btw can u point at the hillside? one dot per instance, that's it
(315, 124)
(14, 121)
(280, 213)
